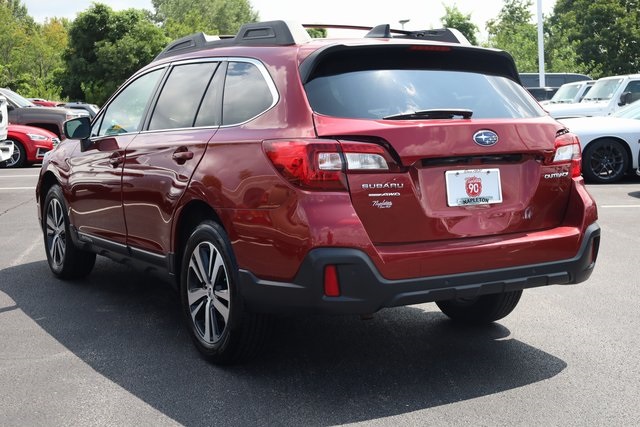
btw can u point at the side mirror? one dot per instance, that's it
(79, 128)
(625, 99)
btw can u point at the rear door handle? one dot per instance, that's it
(182, 156)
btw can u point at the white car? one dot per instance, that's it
(4, 118)
(606, 96)
(6, 147)
(610, 145)
(570, 93)
(6, 150)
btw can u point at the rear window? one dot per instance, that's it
(375, 94)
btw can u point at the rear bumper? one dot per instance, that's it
(364, 290)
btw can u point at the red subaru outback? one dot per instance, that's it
(273, 173)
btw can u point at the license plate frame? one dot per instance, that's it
(472, 187)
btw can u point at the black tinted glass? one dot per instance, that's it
(374, 94)
(211, 107)
(246, 93)
(181, 96)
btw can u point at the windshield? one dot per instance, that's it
(602, 90)
(375, 94)
(566, 93)
(16, 99)
(631, 111)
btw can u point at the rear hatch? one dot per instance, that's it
(438, 148)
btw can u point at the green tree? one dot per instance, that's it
(18, 11)
(40, 60)
(605, 34)
(183, 17)
(13, 39)
(454, 18)
(106, 47)
(514, 32)
(560, 53)
(317, 33)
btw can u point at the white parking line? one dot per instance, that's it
(619, 206)
(19, 176)
(16, 188)
(20, 258)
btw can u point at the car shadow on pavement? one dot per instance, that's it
(317, 370)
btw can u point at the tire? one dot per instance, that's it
(66, 261)
(481, 310)
(605, 161)
(19, 157)
(221, 329)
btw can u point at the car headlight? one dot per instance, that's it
(36, 137)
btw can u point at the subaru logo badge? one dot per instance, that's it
(486, 138)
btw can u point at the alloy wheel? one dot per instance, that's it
(208, 292)
(607, 161)
(56, 234)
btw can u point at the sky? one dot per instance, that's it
(423, 14)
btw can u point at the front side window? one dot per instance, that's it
(633, 88)
(125, 113)
(246, 93)
(378, 93)
(181, 96)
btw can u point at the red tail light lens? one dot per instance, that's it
(331, 283)
(312, 164)
(568, 151)
(321, 164)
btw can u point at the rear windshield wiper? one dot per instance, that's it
(432, 114)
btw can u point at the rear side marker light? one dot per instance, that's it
(331, 283)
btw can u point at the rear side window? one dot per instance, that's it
(181, 96)
(378, 93)
(246, 93)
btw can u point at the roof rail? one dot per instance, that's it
(446, 35)
(282, 33)
(270, 33)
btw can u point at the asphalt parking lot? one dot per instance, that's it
(111, 349)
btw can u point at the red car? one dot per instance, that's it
(44, 102)
(272, 173)
(30, 145)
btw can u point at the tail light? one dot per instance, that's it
(567, 150)
(322, 164)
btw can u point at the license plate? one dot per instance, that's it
(473, 187)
